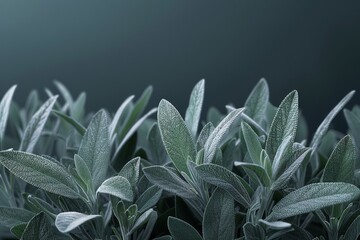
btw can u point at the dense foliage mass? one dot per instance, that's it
(252, 173)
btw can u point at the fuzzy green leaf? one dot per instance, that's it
(353, 231)
(4, 110)
(10, 217)
(40, 228)
(252, 142)
(35, 126)
(176, 137)
(131, 171)
(117, 186)
(73, 122)
(277, 225)
(115, 121)
(204, 135)
(148, 198)
(219, 134)
(256, 103)
(67, 221)
(219, 219)
(169, 181)
(225, 179)
(193, 112)
(82, 170)
(284, 124)
(181, 230)
(259, 172)
(95, 147)
(313, 197)
(253, 232)
(322, 129)
(40, 172)
(341, 164)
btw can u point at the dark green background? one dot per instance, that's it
(112, 49)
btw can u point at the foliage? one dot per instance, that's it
(252, 173)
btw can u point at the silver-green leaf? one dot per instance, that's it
(181, 230)
(176, 137)
(193, 112)
(4, 110)
(256, 103)
(117, 186)
(67, 221)
(313, 197)
(40, 172)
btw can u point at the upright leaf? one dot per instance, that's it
(176, 137)
(118, 114)
(225, 179)
(341, 164)
(322, 129)
(35, 126)
(40, 228)
(40, 172)
(131, 171)
(353, 231)
(284, 124)
(95, 147)
(255, 105)
(219, 218)
(220, 132)
(253, 232)
(313, 197)
(252, 142)
(204, 135)
(67, 221)
(4, 110)
(193, 112)
(181, 230)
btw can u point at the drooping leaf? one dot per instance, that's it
(176, 137)
(252, 142)
(10, 217)
(193, 112)
(353, 231)
(341, 164)
(73, 122)
(217, 136)
(313, 197)
(117, 186)
(181, 230)
(322, 129)
(219, 218)
(67, 221)
(169, 181)
(95, 147)
(255, 105)
(4, 110)
(35, 126)
(40, 172)
(225, 179)
(284, 124)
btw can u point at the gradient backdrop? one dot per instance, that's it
(112, 49)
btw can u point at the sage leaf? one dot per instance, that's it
(67, 221)
(95, 147)
(169, 181)
(277, 225)
(115, 121)
(261, 174)
(322, 129)
(204, 135)
(10, 217)
(341, 164)
(117, 186)
(193, 112)
(40, 227)
(73, 122)
(35, 126)
(148, 198)
(4, 110)
(82, 170)
(131, 171)
(284, 124)
(253, 232)
(219, 218)
(176, 137)
(255, 105)
(284, 178)
(40, 172)
(313, 197)
(181, 230)
(353, 231)
(252, 142)
(225, 179)
(218, 135)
